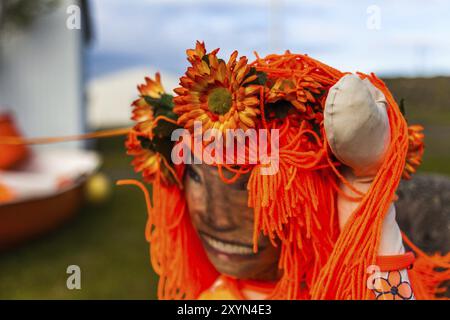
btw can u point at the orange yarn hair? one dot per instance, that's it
(297, 206)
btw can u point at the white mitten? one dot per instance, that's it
(357, 128)
(357, 125)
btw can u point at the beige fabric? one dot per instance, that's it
(357, 128)
(391, 240)
(356, 124)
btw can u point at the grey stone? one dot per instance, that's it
(423, 211)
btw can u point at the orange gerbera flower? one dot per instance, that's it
(393, 288)
(415, 150)
(150, 149)
(143, 110)
(298, 91)
(220, 95)
(145, 160)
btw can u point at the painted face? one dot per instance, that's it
(224, 223)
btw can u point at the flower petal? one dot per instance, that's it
(394, 278)
(404, 290)
(386, 296)
(381, 285)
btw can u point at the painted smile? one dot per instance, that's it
(225, 247)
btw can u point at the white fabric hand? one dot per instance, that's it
(357, 128)
(357, 125)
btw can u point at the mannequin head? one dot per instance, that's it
(224, 223)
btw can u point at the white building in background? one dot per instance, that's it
(42, 74)
(110, 96)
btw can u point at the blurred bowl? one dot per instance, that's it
(25, 220)
(49, 191)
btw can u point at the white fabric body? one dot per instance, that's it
(357, 128)
(358, 131)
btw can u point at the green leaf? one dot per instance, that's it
(164, 147)
(206, 59)
(160, 145)
(166, 101)
(163, 106)
(261, 77)
(164, 129)
(279, 109)
(146, 143)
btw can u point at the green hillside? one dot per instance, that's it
(427, 101)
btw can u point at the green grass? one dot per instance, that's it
(108, 242)
(436, 164)
(426, 99)
(437, 149)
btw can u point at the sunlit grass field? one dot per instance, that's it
(108, 243)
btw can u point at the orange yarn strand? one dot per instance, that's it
(46, 140)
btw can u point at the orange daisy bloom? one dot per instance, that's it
(298, 91)
(145, 160)
(220, 95)
(393, 288)
(415, 150)
(143, 110)
(147, 148)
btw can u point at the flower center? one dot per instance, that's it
(394, 290)
(219, 100)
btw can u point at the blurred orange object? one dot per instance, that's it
(25, 220)
(10, 155)
(47, 190)
(5, 194)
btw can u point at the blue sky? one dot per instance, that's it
(413, 38)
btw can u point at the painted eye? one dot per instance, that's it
(241, 185)
(193, 175)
